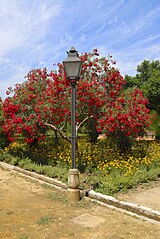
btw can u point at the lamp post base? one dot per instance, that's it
(73, 195)
(73, 185)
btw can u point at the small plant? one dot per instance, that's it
(58, 197)
(83, 203)
(45, 220)
(10, 212)
(24, 237)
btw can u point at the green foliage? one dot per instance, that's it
(92, 131)
(131, 82)
(45, 220)
(148, 80)
(157, 132)
(24, 237)
(146, 69)
(58, 197)
(115, 181)
(4, 142)
(103, 168)
(157, 126)
(60, 172)
(151, 89)
(120, 141)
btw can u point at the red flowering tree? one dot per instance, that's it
(40, 99)
(43, 100)
(3, 137)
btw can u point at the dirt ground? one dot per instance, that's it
(30, 210)
(147, 195)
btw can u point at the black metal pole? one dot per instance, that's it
(73, 123)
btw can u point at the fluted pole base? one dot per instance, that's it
(73, 192)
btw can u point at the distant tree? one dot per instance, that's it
(131, 82)
(145, 70)
(148, 80)
(151, 89)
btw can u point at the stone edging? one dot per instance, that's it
(52, 181)
(109, 200)
(128, 206)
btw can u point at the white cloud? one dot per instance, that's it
(23, 24)
(23, 29)
(37, 33)
(17, 77)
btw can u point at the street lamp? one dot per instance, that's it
(72, 66)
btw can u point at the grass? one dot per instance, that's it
(58, 197)
(10, 212)
(45, 220)
(85, 204)
(24, 237)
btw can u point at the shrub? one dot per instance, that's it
(4, 142)
(102, 168)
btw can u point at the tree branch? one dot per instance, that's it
(59, 131)
(81, 123)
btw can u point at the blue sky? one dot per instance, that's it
(37, 33)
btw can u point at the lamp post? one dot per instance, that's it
(72, 66)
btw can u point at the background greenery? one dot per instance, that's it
(102, 168)
(148, 80)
